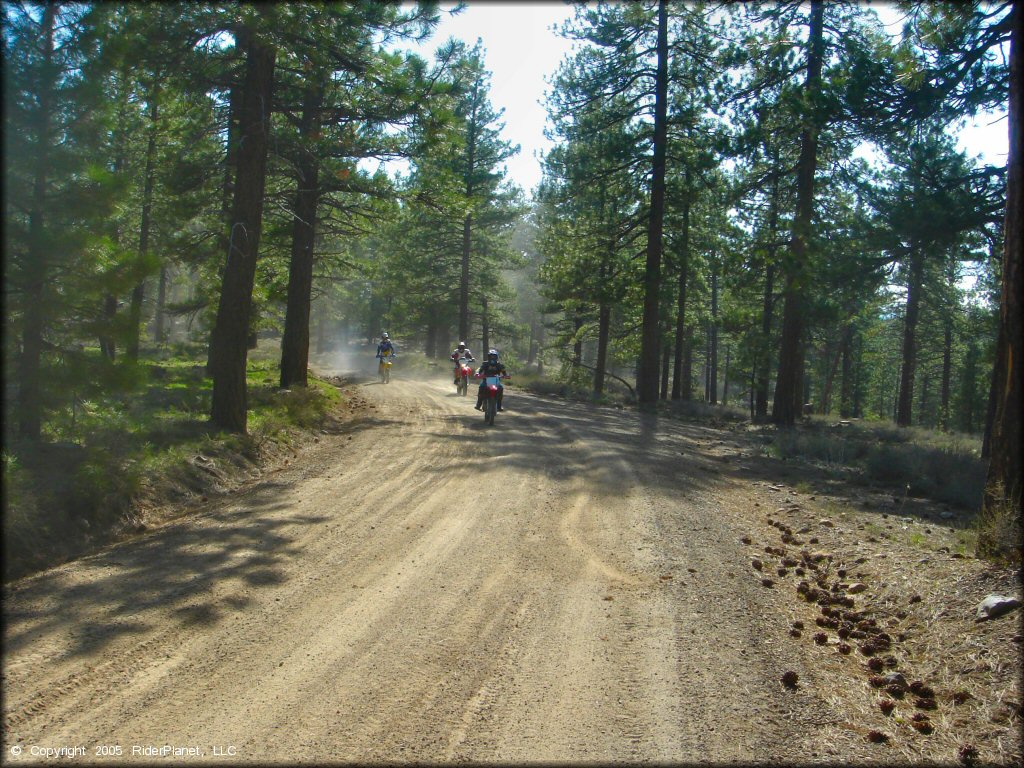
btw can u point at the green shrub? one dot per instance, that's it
(24, 530)
(103, 487)
(543, 385)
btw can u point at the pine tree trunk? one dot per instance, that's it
(947, 372)
(295, 339)
(321, 326)
(846, 385)
(428, 345)
(707, 367)
(532, 353)
(764, 359)
(753, 386)
(604, 319)
(107, 344)
(647, 375)
(922, 414)
(1006, 466)
(684, 268)
(30, 409)
(485, 328)
(785, 408)
(687, 388)
(905, 407)
(160, 319)
(725, 381)
(858, 384)
(969, 395)
(713, 340)
(826, 395)
(577, 346)
(666, 355)
(138, 293)
(467, 228)
(764, 364)
(233, 131)
(804, 389)
(229, 349)
(540, 347)
(896, 395)
(233, 141)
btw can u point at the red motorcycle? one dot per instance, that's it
(463, 373)
(492, 394)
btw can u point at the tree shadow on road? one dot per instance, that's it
(596, 444)
(133, 586)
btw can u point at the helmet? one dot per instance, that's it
(462, 345)
(384, 336)
(493, 353)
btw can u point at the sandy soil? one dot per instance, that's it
(569, 585)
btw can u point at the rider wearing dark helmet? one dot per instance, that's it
(491, 367)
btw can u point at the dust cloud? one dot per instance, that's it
(352, 359)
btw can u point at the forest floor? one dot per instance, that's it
(575, 584)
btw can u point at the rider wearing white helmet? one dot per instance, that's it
(461, 353)
(386, 347)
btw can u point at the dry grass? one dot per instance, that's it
(932, 465)
(1000, 536)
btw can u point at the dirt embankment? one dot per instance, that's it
(570, 585)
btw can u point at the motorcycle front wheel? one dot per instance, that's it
(490, 409)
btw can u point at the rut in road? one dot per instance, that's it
(562, 587)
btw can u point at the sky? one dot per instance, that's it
(522, 51)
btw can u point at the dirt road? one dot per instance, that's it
(568, 585)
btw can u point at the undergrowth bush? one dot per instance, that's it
(25, 530)
(103, 487)
(940, 467)
(554, 387)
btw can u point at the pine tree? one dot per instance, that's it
(229, 345)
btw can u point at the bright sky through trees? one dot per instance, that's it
(523, 49)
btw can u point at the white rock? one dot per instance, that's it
(827, 523)
(994, 606)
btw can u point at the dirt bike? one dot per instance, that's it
(462, 375)
(384, 369)
(492, 391)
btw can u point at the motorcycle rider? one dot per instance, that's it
(461, 353)
(385, 349)
(491, 367)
